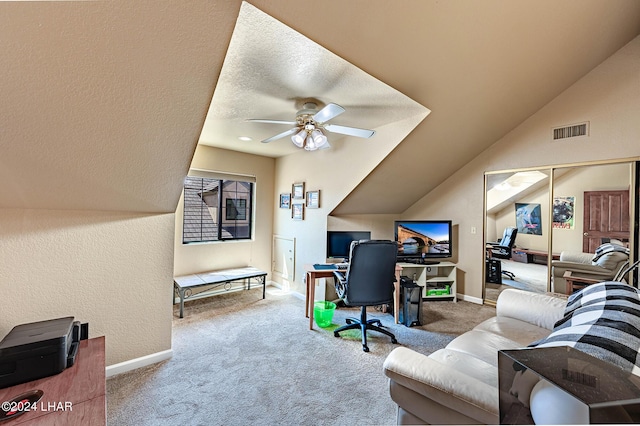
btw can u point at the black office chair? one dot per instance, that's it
(368, 282)
(502, 249)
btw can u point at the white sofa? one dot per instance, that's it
(459, 384)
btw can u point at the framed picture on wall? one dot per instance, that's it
(313, 199)
(528, 218)
(285, 201)
(297, 211)
(297, 191)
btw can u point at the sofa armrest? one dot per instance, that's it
(581, 268)
(576, 257)
(441, 383)
(538, 309)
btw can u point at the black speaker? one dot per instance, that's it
(410, 310)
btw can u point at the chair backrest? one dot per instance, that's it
(371, 273)
(509, 237)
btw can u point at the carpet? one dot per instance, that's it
(239, 359)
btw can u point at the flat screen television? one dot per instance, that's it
(423, 239)
(339, 242)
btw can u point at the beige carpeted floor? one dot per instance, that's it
(242, 360)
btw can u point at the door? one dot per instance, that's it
(606, 215)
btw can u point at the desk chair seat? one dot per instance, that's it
(367, 282)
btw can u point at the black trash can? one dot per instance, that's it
(410, 309)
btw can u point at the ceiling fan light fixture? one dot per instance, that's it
(318, 138)
(298, 138)
(310, 145)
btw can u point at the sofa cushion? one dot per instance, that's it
(483, 345)
(602, 320)
(520, 331)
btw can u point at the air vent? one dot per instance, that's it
(572, 131)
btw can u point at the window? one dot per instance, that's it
(216, 209)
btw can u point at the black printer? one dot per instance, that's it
(38, 349)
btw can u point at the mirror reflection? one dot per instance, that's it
(558, 229)
(591, 224)
(517, 207)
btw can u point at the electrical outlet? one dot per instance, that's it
(473, 229)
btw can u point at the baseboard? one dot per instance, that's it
(293, 293)
(471, 299)
(143, 361)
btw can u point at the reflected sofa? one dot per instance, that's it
(603, 268)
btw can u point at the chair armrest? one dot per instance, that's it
(542, 310)
(340, 276)
(441, 383)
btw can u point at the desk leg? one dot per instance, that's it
(264, 286)
(311, 296)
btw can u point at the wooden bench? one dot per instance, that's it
(185, 284)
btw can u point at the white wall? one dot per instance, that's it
(112, 270)
(608, 97)
(191, 258)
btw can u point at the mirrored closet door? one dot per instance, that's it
(561, 215)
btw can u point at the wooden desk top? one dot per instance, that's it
(76, 396)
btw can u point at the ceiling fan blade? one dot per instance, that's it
(351, 131)
(327, 113)
(282, 135)
(260, 120)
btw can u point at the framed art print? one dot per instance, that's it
(313, 199)
(297, 211)
(285, 201)
(297, 191)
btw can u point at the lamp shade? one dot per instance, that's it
(298, 138)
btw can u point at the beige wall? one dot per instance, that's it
(335, 172)
(608, 97)
(112, 270)
(190, 258)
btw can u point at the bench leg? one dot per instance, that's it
(181, 294)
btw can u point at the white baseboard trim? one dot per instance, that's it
(293, 293)
(469, 298)
(143, 361)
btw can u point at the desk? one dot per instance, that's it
(532, 256)
(312, 274)
(185, 284)
(76, 396)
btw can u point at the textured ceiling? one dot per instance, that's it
(481, 67)
(103, 102)
(271, 72)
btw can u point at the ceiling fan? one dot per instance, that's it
(310, 125)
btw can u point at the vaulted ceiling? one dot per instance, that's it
(103, 103)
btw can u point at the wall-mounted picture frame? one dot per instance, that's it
(297, 191)
(313, 199)
(297, 211)
(285, 201)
